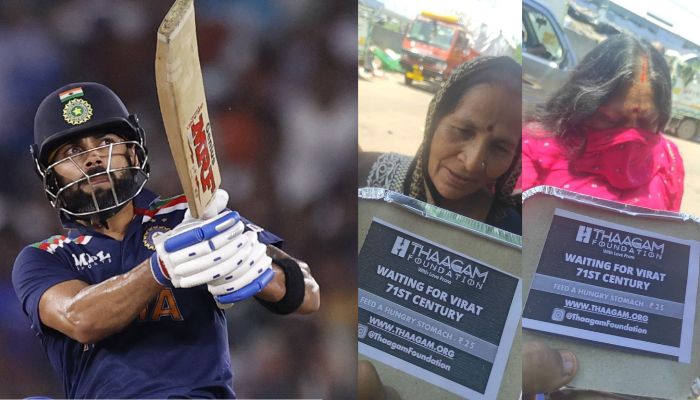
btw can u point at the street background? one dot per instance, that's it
(281, 89)
(391, 117)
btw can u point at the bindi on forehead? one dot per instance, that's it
(638, 109)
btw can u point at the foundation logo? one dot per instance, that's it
(438, 263)
(400, 246)
(620, 242)
(584, 234)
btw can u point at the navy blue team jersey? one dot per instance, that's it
(176, 347)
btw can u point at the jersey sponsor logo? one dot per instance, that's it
(86, 260)
(151, 233)
(51, 244)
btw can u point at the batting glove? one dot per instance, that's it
(198, 252)
(247, 280)
(216, 206)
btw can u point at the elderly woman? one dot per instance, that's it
(600, 134)
(468, 162)
(469, 159)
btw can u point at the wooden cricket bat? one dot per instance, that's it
(184, 106)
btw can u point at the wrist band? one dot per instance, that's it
(160, 274)
(294, 286)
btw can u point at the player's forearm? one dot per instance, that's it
(100, 310)
(312, 294)
(276, 289)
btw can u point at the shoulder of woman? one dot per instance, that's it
(537, 142)
(670, 149)
(365, 161)
(507, 217)
(535, 130)
(668, 144)
(385, 170)
(382, 169)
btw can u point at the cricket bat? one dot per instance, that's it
(184, 106)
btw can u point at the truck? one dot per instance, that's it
(433, 46)
(685, 95)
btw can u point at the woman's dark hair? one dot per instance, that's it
(609, 67)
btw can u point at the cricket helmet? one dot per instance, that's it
(81, 109)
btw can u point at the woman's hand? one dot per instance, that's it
(370, 387)
(545, 369)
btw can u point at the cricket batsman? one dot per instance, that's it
(128, 302)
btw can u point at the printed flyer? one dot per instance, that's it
(434, 313)
(615, 284)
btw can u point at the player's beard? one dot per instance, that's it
(79, 198)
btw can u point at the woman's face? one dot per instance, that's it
(631, 107)
(474, 145)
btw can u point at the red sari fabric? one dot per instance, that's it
(624, 165)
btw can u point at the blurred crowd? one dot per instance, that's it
(281, 90)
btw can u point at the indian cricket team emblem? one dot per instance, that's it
(77, 111)
(151, 233)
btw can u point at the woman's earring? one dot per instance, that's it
(483, 165)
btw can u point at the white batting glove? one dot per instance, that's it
(247, 280)
(217, 205)
(198, 252)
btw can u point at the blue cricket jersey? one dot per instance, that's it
(176, 347)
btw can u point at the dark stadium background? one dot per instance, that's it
(281, 85)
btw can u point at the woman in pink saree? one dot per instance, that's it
(600, 134)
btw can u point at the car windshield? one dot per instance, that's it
(432, 32)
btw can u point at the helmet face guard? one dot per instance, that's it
(87, 196)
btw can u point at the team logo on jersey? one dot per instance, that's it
(151, 233)
(86, 260)
(77, 111)
(51, 244)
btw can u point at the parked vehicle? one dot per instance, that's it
(433, 46)
(685, 112)
(548, 57)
